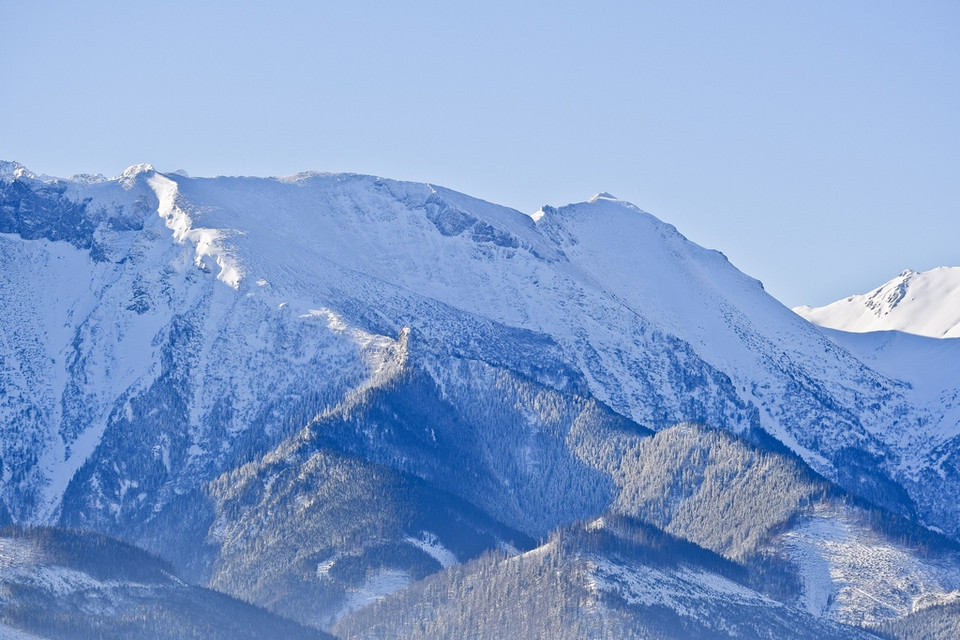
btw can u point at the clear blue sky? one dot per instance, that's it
(816, 143)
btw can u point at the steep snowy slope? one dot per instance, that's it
(908, 330)
(114, 326)
(202, 322)
(931, 366)
(925, 303)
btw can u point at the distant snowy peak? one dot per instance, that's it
(14, 170)
(922, 303)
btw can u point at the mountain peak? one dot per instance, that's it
(14, 170)
(130, 174)
(923, 303)
(136, 169)
(603, 195)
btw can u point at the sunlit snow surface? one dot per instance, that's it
(272, 270)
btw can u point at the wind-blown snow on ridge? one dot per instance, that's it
(923, 303)
(207, 241)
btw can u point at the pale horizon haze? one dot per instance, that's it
(816, 144)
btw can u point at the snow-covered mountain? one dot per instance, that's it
(922, 303)
(310, 269)
(366, 380)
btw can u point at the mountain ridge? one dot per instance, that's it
(633, 280)
(187, 363)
